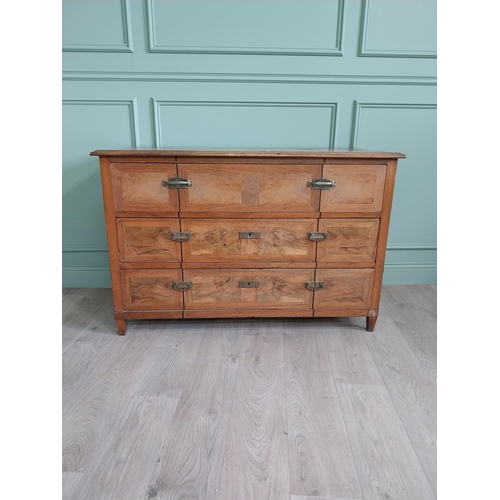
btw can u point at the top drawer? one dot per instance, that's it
(243, 188)
(138, 187)
(358, 188)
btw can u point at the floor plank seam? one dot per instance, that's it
(398, 413)
(343, 415)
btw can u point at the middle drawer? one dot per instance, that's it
(249, 240)
(217, 241)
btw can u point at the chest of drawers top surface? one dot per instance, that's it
(197, 233)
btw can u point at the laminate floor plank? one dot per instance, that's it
(123, 468)
(386, 462)
(84, 315)
(350, 359)
(81, 359)
(422, 296)
(189, 465)
(319, 453)
(69, 483)
(255, 458)
(300, 497)
(270, 327)
(411, 390)
(274, 408)
(418, 327)
(89, 415)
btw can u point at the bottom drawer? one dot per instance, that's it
(248, 289)
(344, 289)
(151, 289)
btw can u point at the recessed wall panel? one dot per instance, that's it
(409, 128)
(244, 125)
(399, 28)
(86, 126)
(96, 26)
(258, 27)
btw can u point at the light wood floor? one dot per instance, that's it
(250, 409)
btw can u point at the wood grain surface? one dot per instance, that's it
(348, 240)
(417, 324)
(151, 289)
(357, 188)
(218, 241)
(350, 359)
(146, 153)
(148, 240)
(385, 460)
(255, 458)
(123, 468)
(320, 457)
(219, 289)
(344, 288)
(243, 188)
(276, 408)
(190, 462)
(139, 187)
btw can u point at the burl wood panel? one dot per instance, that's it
(219, 241)
(344, 288)
(358, 188)
(151, 289)
(219, 289)
(249, 187)
(148, 240)
(348, 240)
(139, 187)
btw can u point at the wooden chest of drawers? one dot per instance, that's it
(219, 234)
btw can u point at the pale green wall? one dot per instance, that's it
(250, 73)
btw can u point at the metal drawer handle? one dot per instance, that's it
(182, 285)
(248, 284)
(321, 184)
(317, 236)
(315, 285)
(180, 236)
(248, 235)
(178, 183)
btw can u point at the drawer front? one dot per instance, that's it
(221, 289)
(344, 288)
(148, 240)
(358, 188)
(249, 188)
(348, 240)
(139, 187)
(249, 240)
(151, 289)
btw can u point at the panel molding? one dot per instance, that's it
(280, 51)
(199, 77)
(158, 104)
(363, 51)
(127, 31)
(358, 106)
(131, 104)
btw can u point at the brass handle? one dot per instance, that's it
(180, 236)
(248, 284)
(248, 235)
(321, 184)
(178, 183)
(317, 236)
(315, 285)
(182, 285)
